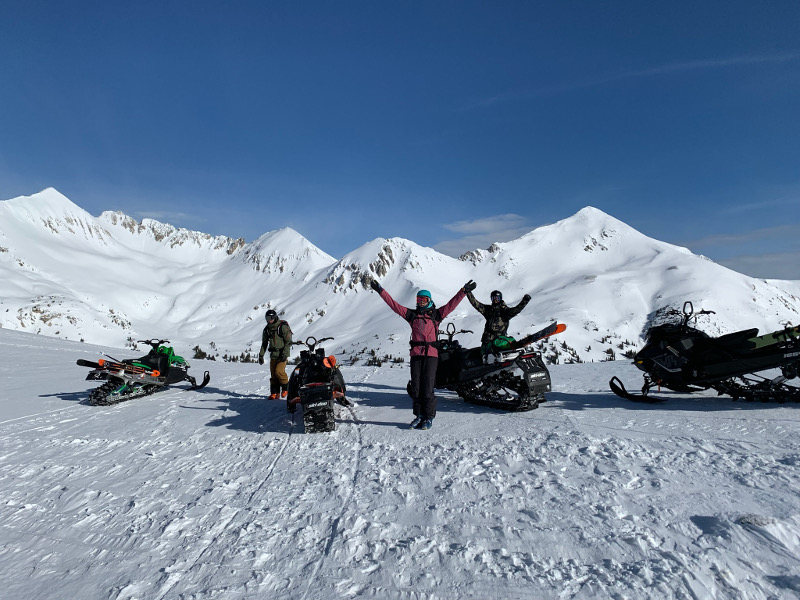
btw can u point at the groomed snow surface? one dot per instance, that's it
(216, 494)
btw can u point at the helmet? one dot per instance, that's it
(424, 299)
(271, 315)
(497, 295)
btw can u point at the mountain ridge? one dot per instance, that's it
(112, 279)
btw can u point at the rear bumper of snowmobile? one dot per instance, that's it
(316, 397)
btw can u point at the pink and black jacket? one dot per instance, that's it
(424, 322)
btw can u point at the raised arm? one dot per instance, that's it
(454, 301)
(479, 306)
(399, 309)
(515, 310)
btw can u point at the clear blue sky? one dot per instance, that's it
(453, 124)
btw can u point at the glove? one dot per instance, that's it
(470, 285)
(527, 297)
(261, 359)
(376, 286)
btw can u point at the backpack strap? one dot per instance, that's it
(415, 313)
(282, 326)
(435, 316)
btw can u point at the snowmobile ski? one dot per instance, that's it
(195, 386)
(619, 389)
(552, 329)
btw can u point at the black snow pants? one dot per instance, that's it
(420, 388)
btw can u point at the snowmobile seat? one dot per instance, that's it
(472, 357)
(154, 360)
(738, 339)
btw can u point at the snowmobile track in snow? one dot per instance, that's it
(271, 467)
(335, 524)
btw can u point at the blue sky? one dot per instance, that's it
(453, 124)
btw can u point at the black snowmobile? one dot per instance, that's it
(136, 377)
(684, 359)
(488, 377)
(315, 384)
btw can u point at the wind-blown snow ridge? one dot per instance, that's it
(111, 279)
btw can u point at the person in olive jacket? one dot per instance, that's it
(497, 315)
(424, 320)
(277, 339)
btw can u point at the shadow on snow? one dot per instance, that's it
(245, 412)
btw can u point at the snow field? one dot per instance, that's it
(217, 494)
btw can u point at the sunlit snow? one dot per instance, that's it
(216, 494)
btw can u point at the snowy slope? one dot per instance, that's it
(604, 278)
(215, 494)
(110, 279)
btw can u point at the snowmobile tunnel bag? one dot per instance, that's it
(500, 343)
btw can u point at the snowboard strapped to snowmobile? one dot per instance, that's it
(491, 379)
(133, 378)
(315, 384)
(684, 359)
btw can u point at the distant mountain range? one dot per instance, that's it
(111, 280)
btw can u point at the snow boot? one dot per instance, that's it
(425, 424)
(417, 420)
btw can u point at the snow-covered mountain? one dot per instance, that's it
(111, 279)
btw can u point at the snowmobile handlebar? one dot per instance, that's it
(153, 342)
(688, 312)
(311, 342)
(451, 331)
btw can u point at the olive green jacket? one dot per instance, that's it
(277, 339)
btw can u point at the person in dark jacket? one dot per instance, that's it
(497, 315)
(424, 321)
(277, 339)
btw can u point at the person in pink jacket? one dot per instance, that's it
(424, 321)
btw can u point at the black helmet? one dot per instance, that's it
(498, 295)
(271, 315)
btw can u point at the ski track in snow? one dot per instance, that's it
(217, 494)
